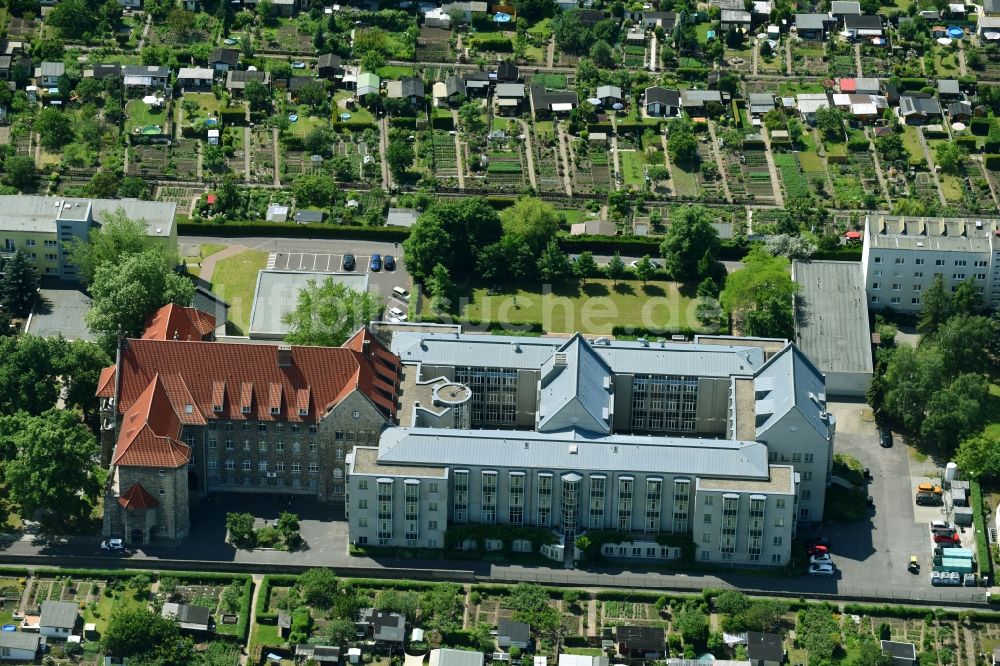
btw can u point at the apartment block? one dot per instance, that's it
(43, 227)
(724, 439)
(902, 256)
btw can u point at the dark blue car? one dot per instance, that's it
(389, 262)
(376, 263)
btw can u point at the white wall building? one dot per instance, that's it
(902, 256)
(726, 440)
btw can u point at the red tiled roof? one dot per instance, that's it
(175, 322)
(197, 376)
(848, 85)
(149, 430)
(106, 383)
(137, 497)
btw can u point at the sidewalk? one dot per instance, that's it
(208, 263)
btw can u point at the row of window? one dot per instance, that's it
(270, 482)
(898, 286)
(262, 466)
(919, 261)
(262, 446)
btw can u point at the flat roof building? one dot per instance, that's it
(901, 257)
(277, 294)
(831, 323)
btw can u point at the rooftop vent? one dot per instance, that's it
(560, 359)
(602, 341)
(574, 449)
(516, 346)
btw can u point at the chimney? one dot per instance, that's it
(284, 356)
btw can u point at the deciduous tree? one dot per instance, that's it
(118, 237)
(328, 313)
(553, 265)
(532, 220)
(689, 239)
(615, 268)
(399, 156)
(126, 293)
(54, 466)
(54, 127)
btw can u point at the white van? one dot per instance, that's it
(401, 294)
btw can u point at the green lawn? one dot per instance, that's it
(912, 142)
(594, 307)
(685, 181)
(811, 162)
(140, 115)
(234, 280)
(207, 106)
(792, 89)
(702, 30)
(951, 186)
(631, 163)
(302, 126)
(393, 72)
(360, 116)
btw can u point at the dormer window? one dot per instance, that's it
(303, 411)
(246, 409)
(275, 411)
(217, 409)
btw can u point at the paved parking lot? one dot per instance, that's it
(381, 281)
(873, 554)
(61, 311)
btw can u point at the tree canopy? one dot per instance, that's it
(759, 296)
(452, 234)
(691, 245)
(146, 636)
(19, 285)
(328, 313)
(126, 293)
(531, 220)
(117, 237)
(49, 462)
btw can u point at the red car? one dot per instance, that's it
(817, 549)
(947, 538)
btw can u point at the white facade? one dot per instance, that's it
(902, 256)
(724, 440)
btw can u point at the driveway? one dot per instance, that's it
(873, 554)
(319, 255)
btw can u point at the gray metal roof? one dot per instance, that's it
(61, 614)
(499, 351)
(909, 104)
(831, 315)
(845, 7)
(810, 21)
(519, 632)
(19, 640)
(509, 90)
(451, 657)
(51, 69)
(575, 389)
(609, 91)
(572, 450)
(789, 381)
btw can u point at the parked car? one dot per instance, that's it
(113, 545)
(349, 262)
(655, 264)
(929, 499)
(375, 264)
(821, 558)
(816, 549)
(389, 263)
(927, 487)
(824, 569)
(885, 438)
(947, 538)
(395, 314)
(942, 525)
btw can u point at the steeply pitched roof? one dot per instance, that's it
(640, 638)
(137, 498)
(328, 60)
(193, 378)
(862, 22)
(507, 71)
(609, 91)
(176, 322)
(229, 57)
(59, 614)
(789, 381)
(518, 632)
(659, 95)
(149, 432)
(764, 647)
(575, 389)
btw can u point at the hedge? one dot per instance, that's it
(527, 327)
(238, 229)
(967, 142)
(992, 161)
(243, 626)
(496, 590)
(912, 85)
(403, 122)
(620, 330)
(842, 253)
(983, 554)
(232, 117)
(264, 600)
(979, 126)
